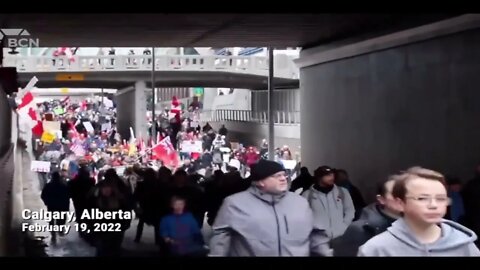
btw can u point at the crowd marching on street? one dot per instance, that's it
(256, 207)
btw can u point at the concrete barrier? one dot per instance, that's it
(7, 172)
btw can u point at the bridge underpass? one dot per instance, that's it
(131, 75)
(377, 102)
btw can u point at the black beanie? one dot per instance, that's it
(322, 171)
(265, 168)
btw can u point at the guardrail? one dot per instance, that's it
(257, 65)
(280, 117)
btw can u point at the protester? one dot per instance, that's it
(332, 205)
(279, 223)
(375, 219)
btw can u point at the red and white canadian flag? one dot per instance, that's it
(27, 111)
(165, 152)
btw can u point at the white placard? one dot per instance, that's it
(58, 134)
(40, 166)
(120, 170)
(289, 164)
(88, 126)
(226, 157)
(108, 103)
(225, 150)
(51, 126)
(192, 147)
(106, 126)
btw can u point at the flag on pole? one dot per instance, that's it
(165, 152)
(28, 87)
(27, 111)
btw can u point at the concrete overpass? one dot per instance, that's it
(171, 71)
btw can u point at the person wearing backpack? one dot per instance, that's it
(332, 205)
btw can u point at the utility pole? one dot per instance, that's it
(271, 122)
(154, 120)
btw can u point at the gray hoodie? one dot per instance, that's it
(398, 240)
(333, 211)
(253, 223)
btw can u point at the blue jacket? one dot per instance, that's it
(184, 230)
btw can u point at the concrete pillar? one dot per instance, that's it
(132, 110)
(209, 95)
(140, 127)
(5, 123)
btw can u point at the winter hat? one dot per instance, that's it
(322, 171)
(265, 168)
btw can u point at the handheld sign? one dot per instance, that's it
(47, 137)
(40, 166)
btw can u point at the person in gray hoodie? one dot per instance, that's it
(332, 205)
(267, 220)
(422, 231)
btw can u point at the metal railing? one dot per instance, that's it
(280, 117)
(240, 64)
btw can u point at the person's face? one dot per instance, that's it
(426, 201)
(178, 206)
(328, 180)
(275, 184)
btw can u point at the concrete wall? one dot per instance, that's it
(132, 111)
(5, 123)
(377, 113)
(140, 127)
(253, 133)
(240, 99)
(283, 100)
(209, 95)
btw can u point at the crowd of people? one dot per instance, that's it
(189, 173)
(186, 164)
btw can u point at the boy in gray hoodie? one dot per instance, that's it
(422, 231)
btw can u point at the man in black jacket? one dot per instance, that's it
(375, 219)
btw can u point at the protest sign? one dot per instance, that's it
(289, 164)
(88, 126)
(40, 166)
(58, 111)
(47, 137)
(51, 126)
(192, 147)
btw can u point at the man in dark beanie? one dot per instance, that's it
(267, 220)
